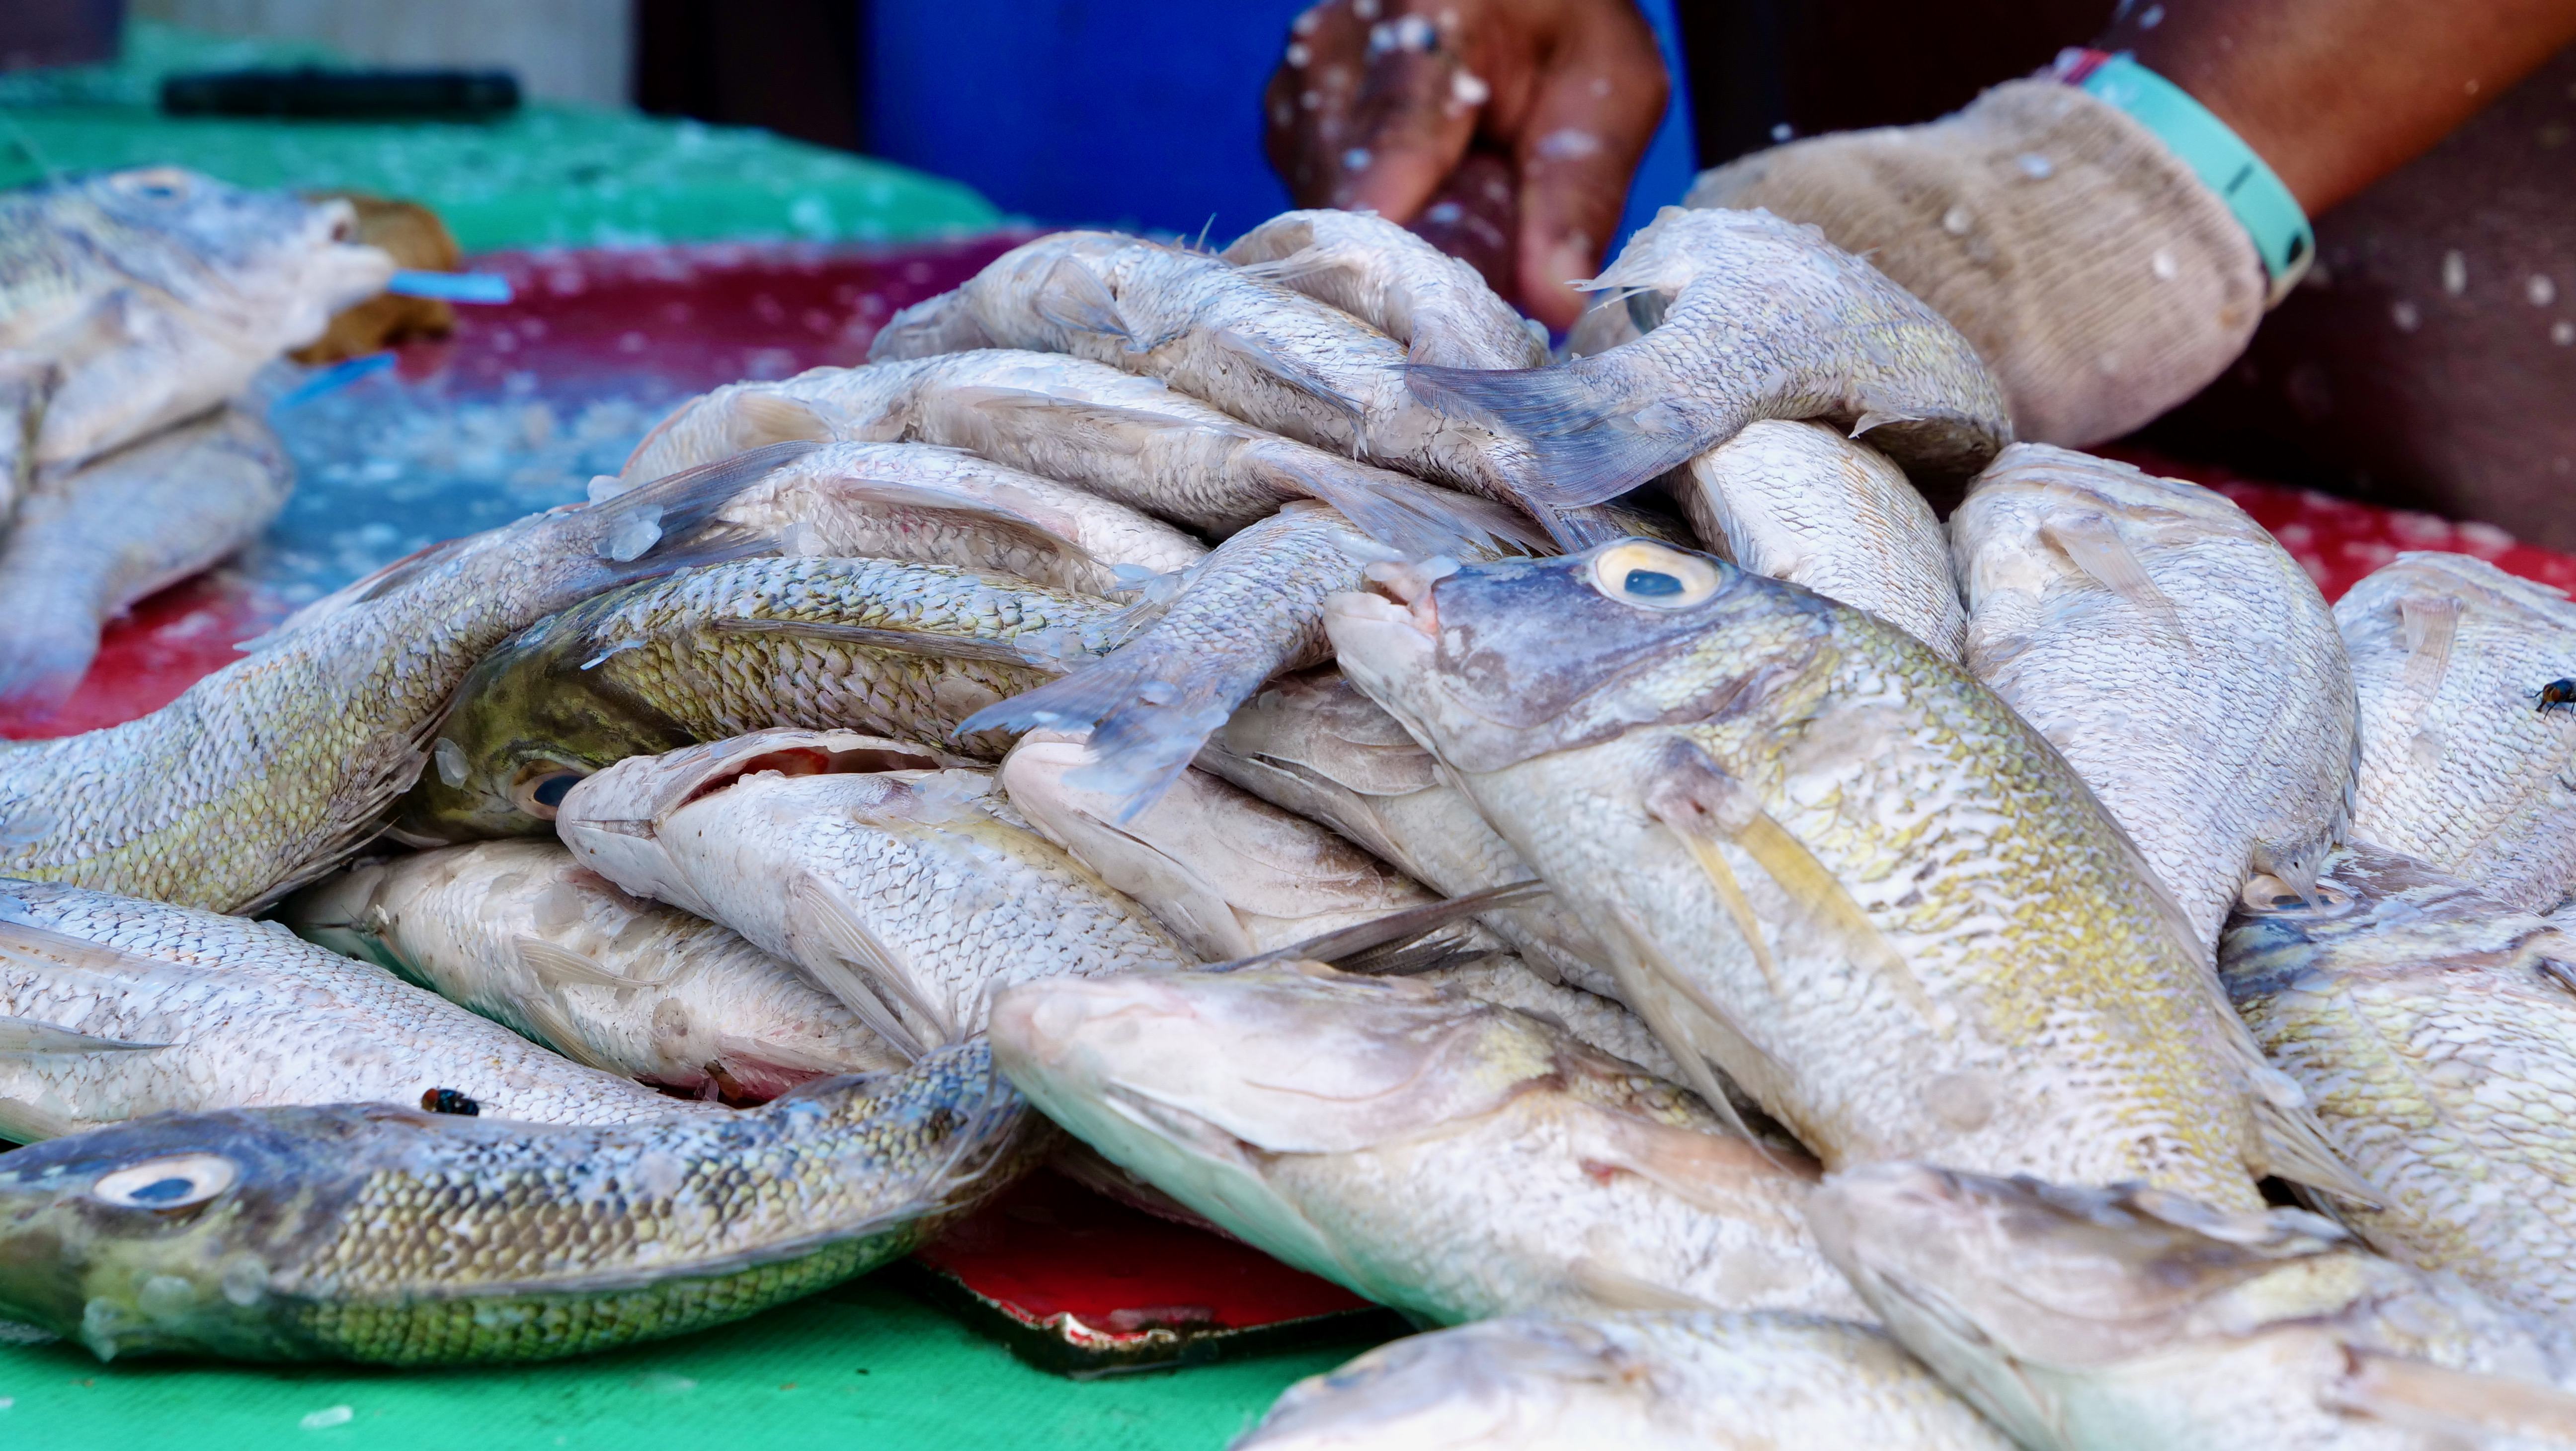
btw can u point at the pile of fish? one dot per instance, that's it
(1578, 852)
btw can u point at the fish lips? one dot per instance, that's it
(1496, 664)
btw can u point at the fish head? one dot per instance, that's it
(167, 1233)
(528, 722)
(1988, 1278)
(199, 238)
(343, 913)
(1198, 1080)
(1493, 664)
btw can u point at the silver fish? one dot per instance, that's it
(1800, 502)
(2091, 1319)
(1123, 437)
(266, 773)
(2434, 1028)
(158, 292)
(2464, 763)
(1643, 1381)
(1452, 1158)
(2179, 657)
(912, 895)
(1836, 866)
(89, 542)
(518, 932)
(1434, 304)
(1270, 356)
(177, 1009)
(935, 505)
(1760, 319)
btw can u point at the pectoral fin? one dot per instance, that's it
(2457, 1407)
(853, 964)
(1074, 298)
(27, 1038)
(558, 967)
(2093, 542)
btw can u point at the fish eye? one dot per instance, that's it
(172, 1183)
(542, 788)
(1652, 576)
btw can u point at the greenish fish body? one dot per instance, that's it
(383, 1234)
(905, 651)
(2434, 1028)
(2130, 1319)
(1835, 866)
(1641, 1381)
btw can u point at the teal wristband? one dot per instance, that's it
(2216, 154)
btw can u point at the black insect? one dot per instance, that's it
(2560, 693)
(448, 1100)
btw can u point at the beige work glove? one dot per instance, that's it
(2097, 276)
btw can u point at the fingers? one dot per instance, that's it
(1600, 95)
(1373, 105)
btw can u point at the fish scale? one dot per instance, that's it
(390, 1236)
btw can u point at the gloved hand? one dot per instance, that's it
(2098, 277)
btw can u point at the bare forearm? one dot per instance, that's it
(2335, 94)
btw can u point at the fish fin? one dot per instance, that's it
(1619, 1290)
(1139, 748)
(2457, 1407)
(910, 642)
(1395, 929)
(1592, 442)
(1073, 297)
(1730, 894)
(943, 324)
(27, 1038)
(677, 505)
(2093, 542)
(49, 951)
(1310, 260)
(2432, 625)
(1704, 804)
(1286, 371)
(770, 1053)
(554, 1028)
(1647, 960)
(1107, 420)
(854, 966)
(751, 415)
(560, 967)
(1418, 519)
(2295, 1147)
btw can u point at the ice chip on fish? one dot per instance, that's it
(2088, 1319)
(2463, 763)
(1451, 1158)
(516, 931)
(1800, 502)
(911, 895)
(1436, 305)
(1640, 1381)
(380, 1233)
(1834, 865)
(2176, 654)
(1765, 319)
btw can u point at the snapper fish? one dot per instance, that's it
(1436, 305)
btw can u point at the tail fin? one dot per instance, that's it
(1419, 520)
(1593, 440)
(1377, 946)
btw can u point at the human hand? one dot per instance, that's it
(1378, 101)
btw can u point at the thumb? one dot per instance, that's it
(1409, 129)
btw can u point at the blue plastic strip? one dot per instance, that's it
(2218, 156)
(336, 377)
(452, 286)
